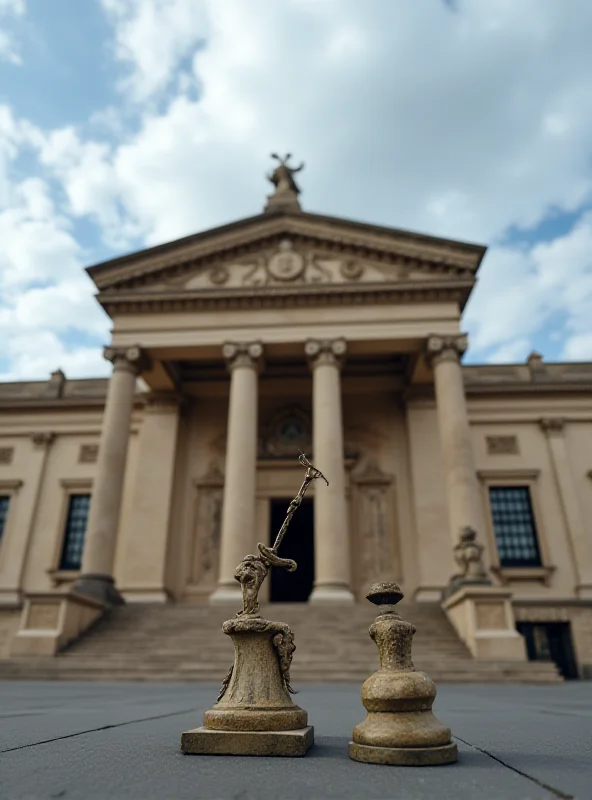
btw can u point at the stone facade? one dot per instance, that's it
(236, 348)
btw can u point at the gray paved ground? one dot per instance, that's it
(111, 741)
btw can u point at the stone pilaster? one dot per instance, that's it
(23, 512)
(332, 546)
(145, 542)
(238, 507)
(579, 540)
(96, 578)
(464, 502)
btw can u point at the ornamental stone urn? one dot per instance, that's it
(400, 727)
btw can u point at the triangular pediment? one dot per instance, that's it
(272, 251)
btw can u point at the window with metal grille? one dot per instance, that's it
(4, 503)
(75, 531)
(513, 524)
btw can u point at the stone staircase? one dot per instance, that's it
(185, 643)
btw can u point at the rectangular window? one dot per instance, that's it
(75, 531)
(514, 527)
(4, 503)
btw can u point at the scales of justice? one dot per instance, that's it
(254, 713)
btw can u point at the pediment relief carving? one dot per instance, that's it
(290, 263)
(363, 252)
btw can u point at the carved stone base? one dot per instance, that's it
(254, 714)
(203, 741)
(404, 756)
(51, 620)
(484, 619)
(99, 587)
(459, 583)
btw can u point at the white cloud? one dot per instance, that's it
(523, 291)
(8, 46)
(511, 352)
(36, 358)
(461, 124)
(455, 123)
(151, 38)
(44, 291)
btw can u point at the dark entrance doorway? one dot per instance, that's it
(550, 641)
(293, 587)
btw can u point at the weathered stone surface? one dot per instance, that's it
(399, 727)
(203, 741)
(404, 756)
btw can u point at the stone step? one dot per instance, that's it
(185, 643)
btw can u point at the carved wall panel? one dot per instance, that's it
(376, 549)
(490, 616)
(88, 453)
(6, 455)
(43, 616)
(502, 445)
(207, 528)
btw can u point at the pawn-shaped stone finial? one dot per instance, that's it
(399, 727)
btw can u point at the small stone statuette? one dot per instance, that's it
(254, 713)
(399, 727)
(468, 554)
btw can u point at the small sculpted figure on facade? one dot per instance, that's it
(468, 554)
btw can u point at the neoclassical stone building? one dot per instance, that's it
(235, 349)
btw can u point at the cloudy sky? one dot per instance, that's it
(126, 123)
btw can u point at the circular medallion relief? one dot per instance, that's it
(286, 264)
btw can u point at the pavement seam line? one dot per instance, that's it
(96, 730)
(557, 792)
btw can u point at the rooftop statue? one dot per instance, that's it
(283, 175)
(286, 189)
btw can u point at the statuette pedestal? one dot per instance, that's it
(254, 714)
(399, 727)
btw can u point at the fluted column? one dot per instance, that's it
(464, 501)
(580, 542)
(332, 547)
(238, 505)
(96, 577)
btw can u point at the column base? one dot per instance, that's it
(99, 587)
(331, 594)
(227, 595)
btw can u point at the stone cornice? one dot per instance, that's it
(41, 404)
(286, 296)
(237, 239)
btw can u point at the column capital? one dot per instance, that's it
(41, 440)
(243, 354)
(552, 426)
(445, 348)
(325, 351)
(129, 359)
